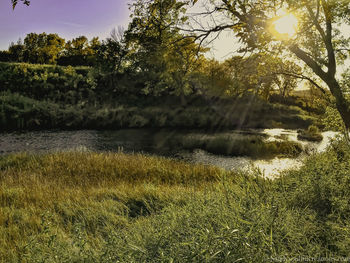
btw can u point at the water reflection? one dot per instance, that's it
(46, 141)
(267, 168)
(156, 142)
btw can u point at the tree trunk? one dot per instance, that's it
(342, 105)
(329, 78)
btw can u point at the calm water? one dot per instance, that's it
(154, 142)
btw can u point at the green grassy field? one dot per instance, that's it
(104, 207)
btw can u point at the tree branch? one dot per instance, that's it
(332, 65)
(309, 61)
(315, 20)
(303, 77)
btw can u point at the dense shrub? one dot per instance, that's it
(21, 112)
(311, 134)
(307, 104)
(59, 84)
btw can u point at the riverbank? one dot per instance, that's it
(39, 97)
(74, 207)
(270, 150)
(19, 112)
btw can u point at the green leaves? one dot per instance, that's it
(165, 58)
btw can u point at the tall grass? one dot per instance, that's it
(311, 134)
(22, 112)
(232, 144)
(89, 207)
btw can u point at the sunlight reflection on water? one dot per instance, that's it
(268, 168)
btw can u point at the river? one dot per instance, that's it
(152, 141)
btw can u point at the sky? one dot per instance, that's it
(74, 18)
(67, 18)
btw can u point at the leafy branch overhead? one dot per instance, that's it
(15, 2)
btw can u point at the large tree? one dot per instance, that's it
(42, 48)
(163, 57)
(320, 42)
(80, 52)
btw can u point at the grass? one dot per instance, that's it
(311, 134)
(18, 111)
(103, 207)
(44, 195)
(236, 145)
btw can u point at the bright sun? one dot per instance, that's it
(286, 25)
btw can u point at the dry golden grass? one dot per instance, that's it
(99, 190)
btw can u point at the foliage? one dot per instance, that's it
(163, 58)
(259, 74)
(42, 48)
(332, 120)
(80, 52)
(40, 82)
(234, 145)
(313, 103)
(52, 49)
(5, 56)
(111, 56)
(18, 112)
(16, 51)
(108, 112)
(15, 2)
(311, 134)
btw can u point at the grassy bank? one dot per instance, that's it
(89, 207)
(56, 97)
(18, 112)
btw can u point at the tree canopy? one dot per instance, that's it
(319, 41)
(46, 48)
(158, 49)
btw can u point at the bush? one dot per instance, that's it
(55, 83)
(84, 91)
(232, 145)
(311, 134)
(332, 120)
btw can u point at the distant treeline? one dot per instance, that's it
(154, 58)
(154, 63)
(52, 49)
